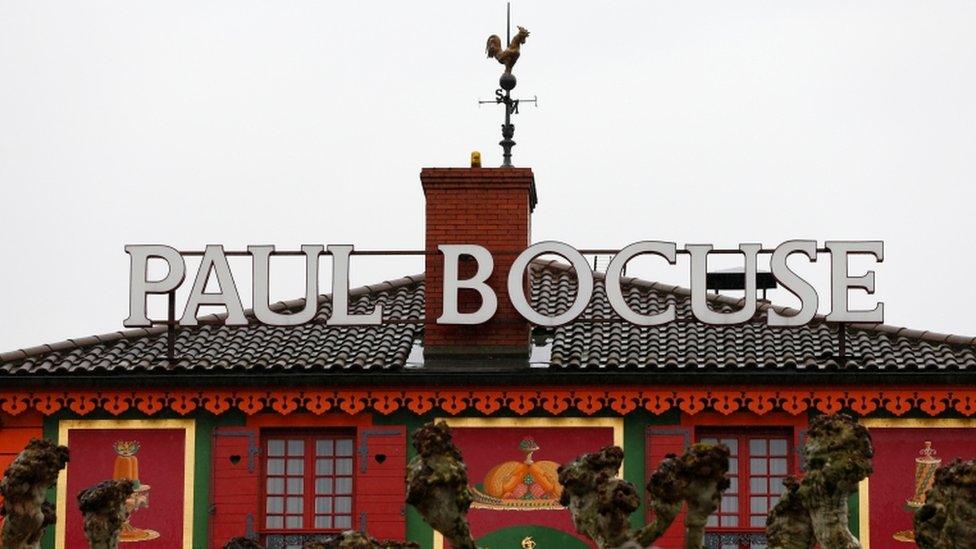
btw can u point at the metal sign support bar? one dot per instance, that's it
(171, 327)
(587, 251)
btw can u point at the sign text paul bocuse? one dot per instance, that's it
(215, 265)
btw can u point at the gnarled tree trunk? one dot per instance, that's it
(948, 518)
(242, 542)
(351, 539)
(437, 484)
(104, 512)
(601, 503)
(26, 512)
(838, 456)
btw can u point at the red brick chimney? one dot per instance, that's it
(490, 207)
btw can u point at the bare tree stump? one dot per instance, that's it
(948, 518)
(701, 480)
(242, 542)
(103, 512)
(346, 540)
(25, 510)
(437, 484)
(357, 540)
(838, 456)
(601, 503)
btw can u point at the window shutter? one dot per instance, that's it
(235, 489)
(661, 441)
(381, 481)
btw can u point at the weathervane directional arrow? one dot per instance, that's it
(503, 95)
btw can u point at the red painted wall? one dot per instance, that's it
(16, 432)
(895, 450)
(485, 447)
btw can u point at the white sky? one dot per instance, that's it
(241, 122)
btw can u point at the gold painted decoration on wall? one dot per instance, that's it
(512, 463)
(925, 466)
(126, 467)
(520, 485)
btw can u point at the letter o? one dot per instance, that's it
(584, 277)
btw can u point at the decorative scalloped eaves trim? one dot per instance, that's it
(488, 401)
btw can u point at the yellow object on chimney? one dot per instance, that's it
(475, 159)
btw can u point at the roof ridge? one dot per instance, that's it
(135, 333)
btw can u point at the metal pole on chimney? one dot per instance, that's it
(508, 22)
(507, 54)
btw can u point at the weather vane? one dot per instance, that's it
(503, 95)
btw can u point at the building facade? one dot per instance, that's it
(286, 433)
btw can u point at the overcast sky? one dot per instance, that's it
(241, 122)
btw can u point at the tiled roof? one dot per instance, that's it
(690, 345)
(684, 345)
(312, 346)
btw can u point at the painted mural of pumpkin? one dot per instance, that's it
(521, 484)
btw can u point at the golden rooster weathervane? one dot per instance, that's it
(509, 55)
(503, 95)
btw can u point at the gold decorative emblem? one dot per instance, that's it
(528, 543)
(925, 466)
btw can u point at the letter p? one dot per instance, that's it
(140, 286)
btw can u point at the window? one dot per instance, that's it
(759, 461)
(308, 483)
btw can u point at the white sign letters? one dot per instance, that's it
(214, 265)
